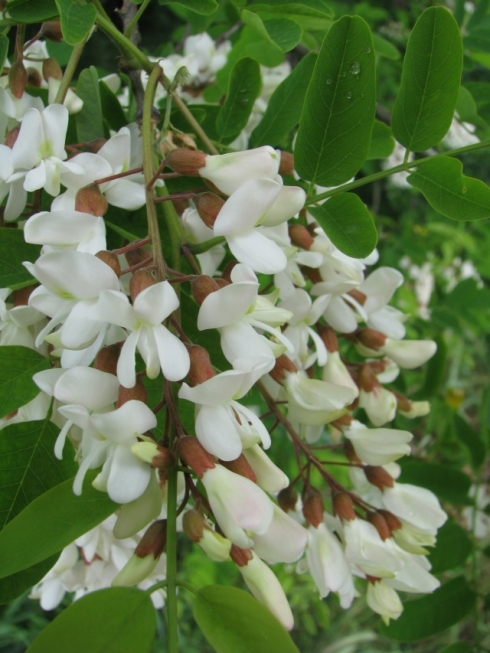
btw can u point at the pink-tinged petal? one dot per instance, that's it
(93, 167)
(215, 391)
(126, 364)
(173, 355)
(59, 227)
(127, 422)
(290, 201)
(128, 478)
(114, 307)
(259, 252)
(25, 153)
(246, 207)
(35, 178)
(227, 306)
(87, 386)
(156, 303)
(216, 431)
(126, 194)
(55, 122)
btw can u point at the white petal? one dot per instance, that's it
(227, 306)
(246, 207)
(257, 251)
(124, 424)
(216, 432)
(128, 478)
(173, 355)
(126, 364)
(156, 303)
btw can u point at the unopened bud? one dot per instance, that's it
(208, 206)
(371, 338)
(403, 404)
(201, 369)
(282, 367)
(340, 422)
(110, 259)
(222, 282)
(21, 297)
(34, 77)
(287, 499)
(392, 521)
(51, 30)
(89, 199)
(180, 205)
(378, 476)
(202, 286)
(241, 557)
(366, 379)
(350, 452)
(51, 68)
(359, 296)
(343, 506)
(240, 466)
(329, 338)
(145, 557)
(136, 256)
(195, 455)
(11, 137)
(154, 454)
(95, 145)
(313, 274)
(300, 236)
(137, 392)
(106, 359)
(227, 270)
(379, 366)
(193, 524)
(379, 523)
(186, 162)
(17, 78)
(286, 166)
(141, 280)
(153, 541)
(313, 508)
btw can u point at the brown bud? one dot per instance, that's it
(11, 136)
(180, 205)
(300, 236)
(286, 166)
(240, 466)
(241, 557)
(287, 498)
(106, 359)
(343, 506)
(208, 206)
(222, 282)
(378, 476)
(202, 286)
(138, 255)
(138, 392)
(110, 259)
(153, 541)
(282, 366)
(95, 145)
(227, 270)
(366, 379)
(329, 338)
(89, 199)
(51, 30)
(371, 338)
(201, 369)
(21, 297)
(34, 77)
(350, 452)
(51, 68)
(214, 189)
(313, 508)
(193, 524)
(141, 280)
(195, 455)
(313, 274)
(379, 523)
(17, 78)
(186, 162)
(340, 422)
(379, 366)
(393, 522)
(403, 403)
(359, 296)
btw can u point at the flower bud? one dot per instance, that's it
(89, 199)
(141, 280)
(34, 77)
(367, 379)
(51, 30)
(145, 557)
(106, 359)
(138, 255)
(193, 524)
(95, 144)
(214, 545)
(371, 338)
(222, 282)
(312, 273)
(208, 206)
(350, 452)
(240, 466)
(17, 78)
(227, 270)
(359, 296)
(313, 508)
(343, 506)
(345, 420)
(195, 455)
(330, 339)
(286, 165)
(241, 557)
(300, 236)
(201, 369)
(186, 162)
(378, 476)
(202, 286)
(21, 296)
(391, 521)
(379, 523)
(287, 499)
(11, 137)
(150, 452)
(282, 366)
(180, 205)
(111, 260)
(51, 68)
(138, 392)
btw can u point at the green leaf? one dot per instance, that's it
(382, 141)
(457, 647)
(432, 614)
(472, 441)
(234, 622)
(17, 365)
(256, 24)
(348, 223)
(76, 19)
(442, 183)
(284, 32)
(384, 48)
(13, 586)
(466, 106)
(89, 120)
(28, 466)
(478, 14)
(203, 7)
(338, 114)
(445, 482)
(452, 549)
(111, 108)
(4, 47)
(32, 11)
(113, 620)
(436, 371)
(309, 17)
(13, 251)
(52, 521)
(425, 104)
(285, 105)
(243, 90)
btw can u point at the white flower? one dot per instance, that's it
(383, 599)
(378, 446)
(415, 505)
(379, 288)
(284, 541)
(326, 561)
(313, 402)
(66, 229)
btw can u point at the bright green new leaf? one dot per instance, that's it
(13, 251)
(452, 549)
(284, 32)
(425, 104)
(285, 105)
(112, 620)
(382, 141)
(4, 46)
(233, 621)
(338, 114)
(348, 223)
(203, 7)
(17, 365)
(472, 441)
(445, 482)
(432, 614)
(52, 521)
(309, 17)
(448, 191)
(28, 466)
(89, 120)
(15, 585)
(77, 19)
(256, 24)
(32, 11)
(244, 89)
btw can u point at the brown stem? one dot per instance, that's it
(119, 175)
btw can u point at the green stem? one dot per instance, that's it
(149, 172)
(198, 130)
(200, 248)
(172, 631)
(135, 19)
(69, 72)
(407, 155)
(100, 8)
(390, 171)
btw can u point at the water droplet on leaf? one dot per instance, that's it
(348, 95)
(368, 50)
(355, 68)
(343, 73)
(329, 81)
(463, 190)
